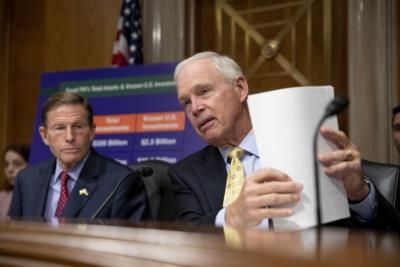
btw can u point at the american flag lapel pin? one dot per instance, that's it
(83, 192)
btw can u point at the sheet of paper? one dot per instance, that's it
(284, 122)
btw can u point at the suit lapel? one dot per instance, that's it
(41, 188)
(85, 186)
(213, 171)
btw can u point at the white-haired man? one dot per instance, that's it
(213, 92)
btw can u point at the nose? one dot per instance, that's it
(70, 136)
(197, 106)
(9, 168)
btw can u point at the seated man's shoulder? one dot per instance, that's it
(199, 156)
(37, 168)
(113, 165)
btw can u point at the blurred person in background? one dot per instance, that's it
(15, 158)
(396, 126)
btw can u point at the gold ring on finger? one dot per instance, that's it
(348, 155)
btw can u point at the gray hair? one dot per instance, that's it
(226, 66)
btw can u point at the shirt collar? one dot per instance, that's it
(248, 144)
(73, 173)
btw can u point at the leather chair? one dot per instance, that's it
(159, 189)
(386, 179)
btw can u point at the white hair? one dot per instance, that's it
(226, 66)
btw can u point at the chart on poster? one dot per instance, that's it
(137, 114)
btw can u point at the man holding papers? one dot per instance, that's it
(213, 93)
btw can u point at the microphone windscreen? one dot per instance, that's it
(337, 105)
(144, 171)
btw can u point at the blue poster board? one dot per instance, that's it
(136, 111)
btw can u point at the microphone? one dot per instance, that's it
(335, 106)
(139, 173)
(144, 171)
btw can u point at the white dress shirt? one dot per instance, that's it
(55, 186)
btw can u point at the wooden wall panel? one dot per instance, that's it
(4, 37)
(205, 30)
(398, 52)
(339, 76)
(80, 34)
(53, 36)
(319, 71)
(26, 60)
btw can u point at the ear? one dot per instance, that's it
(242, 88)
(92, 132)
(43, 134)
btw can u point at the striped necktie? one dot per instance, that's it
(63, 195)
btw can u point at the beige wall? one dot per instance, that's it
(373, 69)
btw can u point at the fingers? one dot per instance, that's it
(270, 187)
(339, 138)
(272, 199)
(238, 215)
(269, 174)
(340, 165)
(257, 215)
(273, 212)
(347, 151)
(334, 170)
(262, 196)
(348, 155)
(339, 156)
(344, 163)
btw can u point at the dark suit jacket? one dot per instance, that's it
(99, 175)
(199, 185)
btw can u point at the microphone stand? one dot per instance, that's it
(139, 173)
(316, 171)
(337, 105)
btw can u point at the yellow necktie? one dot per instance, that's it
(235, 179)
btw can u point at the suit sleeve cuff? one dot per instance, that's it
(365, 209)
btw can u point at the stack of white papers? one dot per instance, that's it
(284, 122)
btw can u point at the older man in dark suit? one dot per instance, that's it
(213, 92)
(77, 182)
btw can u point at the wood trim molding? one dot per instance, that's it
(4, 70)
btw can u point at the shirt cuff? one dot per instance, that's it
(365, 209)
(220, 218)
(220, 221)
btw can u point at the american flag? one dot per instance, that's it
(127, 48)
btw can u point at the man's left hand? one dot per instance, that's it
(345, 164)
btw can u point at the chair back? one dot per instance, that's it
(386, 179)
(159, 189)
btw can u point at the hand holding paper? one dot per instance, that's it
(345, 165)
(284, 122)
(262, 191)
